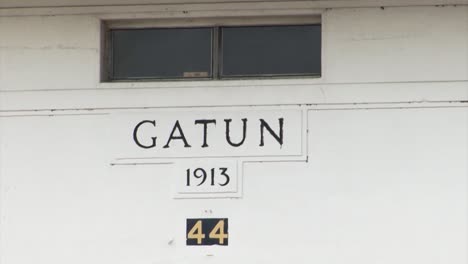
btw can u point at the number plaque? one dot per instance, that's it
(207, 231)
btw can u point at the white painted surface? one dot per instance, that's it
(387, 148)
(402, 44)
(49, 52)
(61, 4)
(383, 186)
(414, 44)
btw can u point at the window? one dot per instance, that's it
(212, 52)
(270, 51)
(161, 53)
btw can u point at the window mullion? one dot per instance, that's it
(215, 53)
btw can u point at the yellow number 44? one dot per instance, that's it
(196, 232)
(218, 232)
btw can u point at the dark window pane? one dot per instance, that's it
(161, 53)
(271, 50)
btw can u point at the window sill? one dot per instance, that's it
(164, 84)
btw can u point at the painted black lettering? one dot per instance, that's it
(278, 138)
(228, 132)
(205, 123)
(180, 136)
(135, 134)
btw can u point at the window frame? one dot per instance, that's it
(215, 24)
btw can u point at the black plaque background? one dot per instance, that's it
(207, 225)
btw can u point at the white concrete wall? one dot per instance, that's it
(387, 147)
(403, 44)
(417, 44)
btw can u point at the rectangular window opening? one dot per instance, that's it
(271, 51)
(161, 53)
(207, 52)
